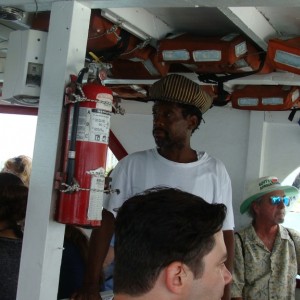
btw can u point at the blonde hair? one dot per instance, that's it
(20, 166)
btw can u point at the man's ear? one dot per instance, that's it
(193, 121)
(255, 207)
(177, 276)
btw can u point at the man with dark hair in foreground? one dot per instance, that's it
(169, 245)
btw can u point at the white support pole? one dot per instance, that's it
(255, 146)
(43, 238)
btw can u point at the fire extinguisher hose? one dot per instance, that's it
(72, 147)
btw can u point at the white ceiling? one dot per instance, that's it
(206, 18)
(260, 20)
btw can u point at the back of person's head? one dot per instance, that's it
(13, 198)
(74, 261)
(21, 166)
(158, 227)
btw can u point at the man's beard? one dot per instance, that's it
(162, 139)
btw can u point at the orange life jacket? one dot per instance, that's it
(218, 55)
(266, 97)
(284, 54)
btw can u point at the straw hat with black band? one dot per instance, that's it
(262, 186)
(179, 89)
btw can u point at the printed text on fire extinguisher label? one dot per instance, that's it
(96, 194)
(93, 125)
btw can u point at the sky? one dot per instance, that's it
(17, 134)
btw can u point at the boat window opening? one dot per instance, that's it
(17, 136)
(111, 160)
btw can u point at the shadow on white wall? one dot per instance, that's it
(292, 219)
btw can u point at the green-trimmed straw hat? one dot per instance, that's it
(262, 186)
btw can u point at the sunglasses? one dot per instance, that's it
(276, 200)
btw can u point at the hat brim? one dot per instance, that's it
(289, 191)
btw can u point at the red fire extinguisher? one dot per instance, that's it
(81, 201)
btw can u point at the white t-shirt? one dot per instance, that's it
(142, 170)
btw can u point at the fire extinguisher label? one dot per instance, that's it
(93, 125)
(96, 194)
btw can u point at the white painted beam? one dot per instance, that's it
(280, 78)
(3, 46)
(4, 37)
(43, 238)
(254, 161)
(2, 67)
(5, 31)
(275, 78)
(139, 22)
(252, 23)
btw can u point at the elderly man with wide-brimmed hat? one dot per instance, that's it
(267, 255)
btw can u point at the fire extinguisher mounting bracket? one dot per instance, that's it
(117, 109)
(76, 188)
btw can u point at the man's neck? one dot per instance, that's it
(148, 296)
(267, 233)
(128, 297)
(185, 155)
(265, 228)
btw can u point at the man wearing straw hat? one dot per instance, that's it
(179, 104)
(267, 255)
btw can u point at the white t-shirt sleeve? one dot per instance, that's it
(120, 183)
(226, 198)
